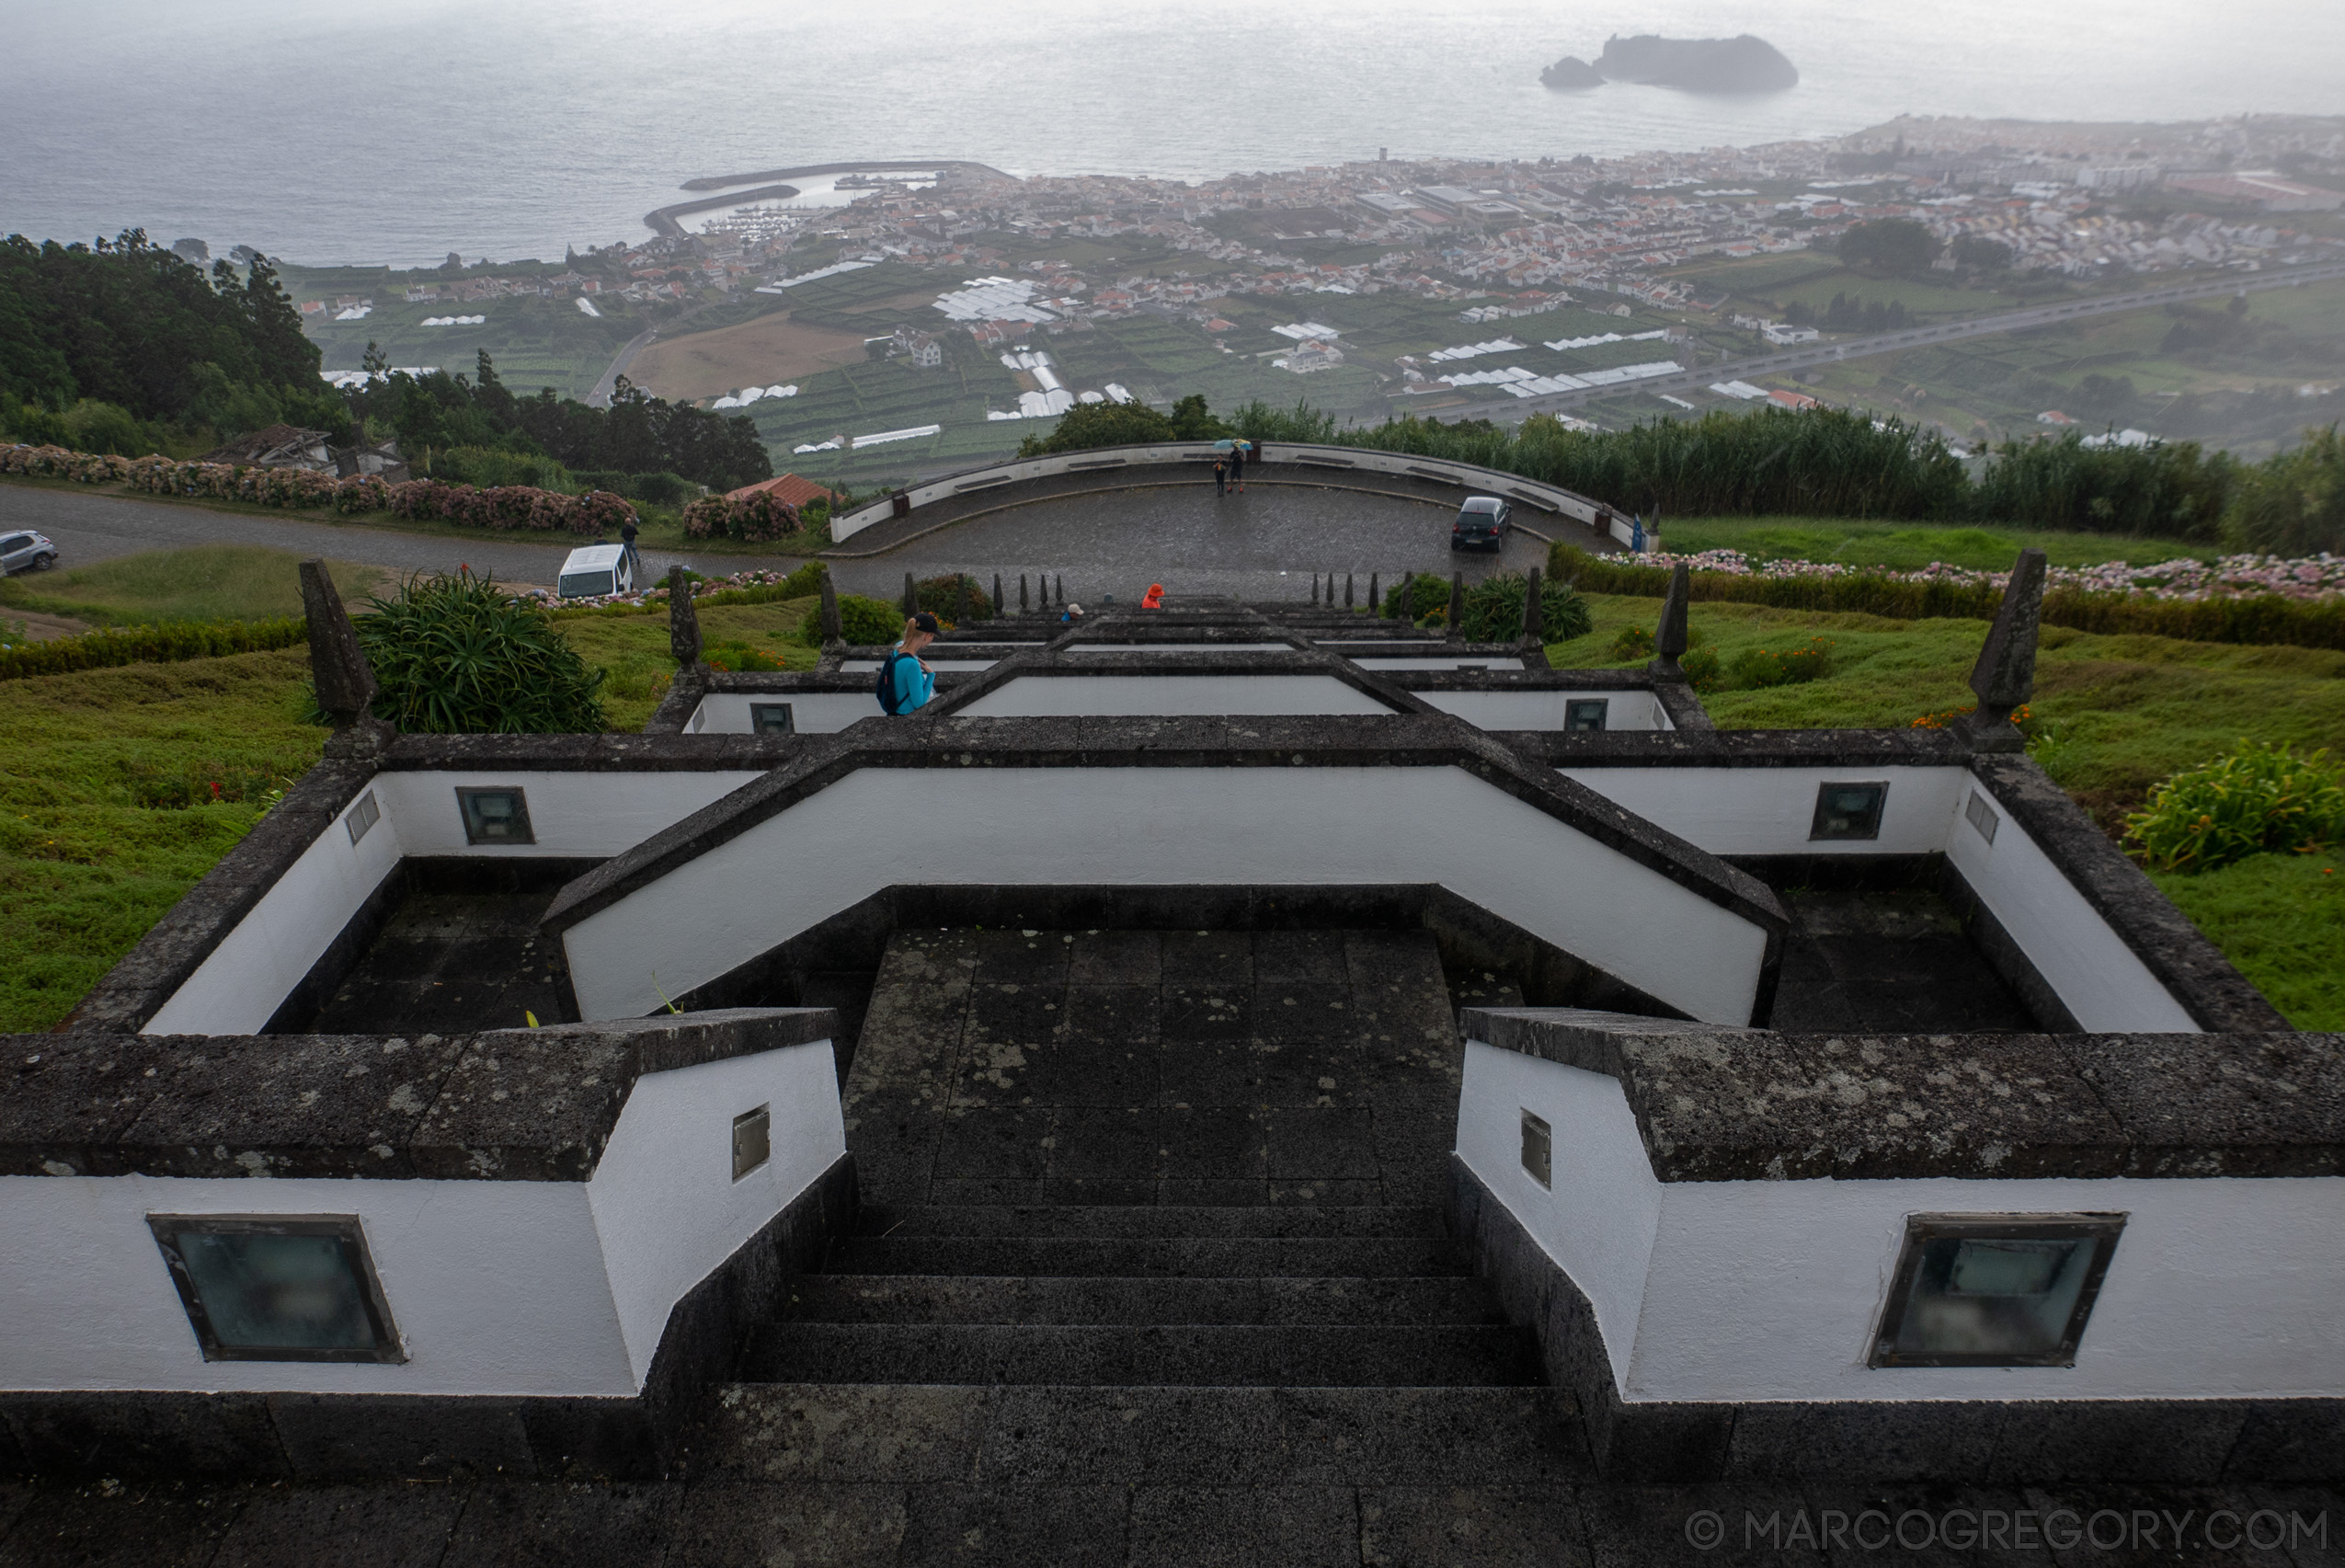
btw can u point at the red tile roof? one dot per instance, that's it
(789, 489)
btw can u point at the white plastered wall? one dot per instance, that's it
(1210, 826)
(1768, 811)
(496, 1288)
(1104, 695)
(1743, 811)
(2108, 989)
(1627, 709)
(2219, 1287)
(811, 713)
(242, 981)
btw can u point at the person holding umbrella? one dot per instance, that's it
(1238, 465)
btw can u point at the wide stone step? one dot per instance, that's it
(1042, 1434)
(1111, 1221)
(1228, 1355)
(982, 1299)
(1212, 1258)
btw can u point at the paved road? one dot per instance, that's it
(89, 528)
(1884, 342)
(1263, 545)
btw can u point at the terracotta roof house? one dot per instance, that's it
(788, 488)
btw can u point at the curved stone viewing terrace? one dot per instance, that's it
(1238, 1074)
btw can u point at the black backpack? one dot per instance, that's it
(886, 689)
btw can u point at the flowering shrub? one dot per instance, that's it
(2250, 799)
(2022, 716)
(508, 506)
(505, 506)
(2232, 576)
(59, 462)
(754, 586)
(1756, 668)
(754, 519)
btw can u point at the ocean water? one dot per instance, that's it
(378, 131)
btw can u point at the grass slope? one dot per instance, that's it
(106, 815)
(1908, 546)
(204, 582)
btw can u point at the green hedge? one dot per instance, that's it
(2266, 618)
(150, 645)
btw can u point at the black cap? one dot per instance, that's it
(923, 622)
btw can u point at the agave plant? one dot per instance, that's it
(461, 656)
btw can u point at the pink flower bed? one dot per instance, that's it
(2232, 576)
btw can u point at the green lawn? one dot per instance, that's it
(1906, 547)
(108, 813)
(204, 582)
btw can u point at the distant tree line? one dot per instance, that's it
(1829, 462)
(121, 346)
(638, 434)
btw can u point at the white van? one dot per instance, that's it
(596, 569)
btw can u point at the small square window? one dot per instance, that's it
(1994, 1289)
(1848, 811)
(1982, 815)
(772, 718)
(1585, 713)
(1539, 1149)
(496, 817)
(752, 1140)
(364, 815)
(278, 1287)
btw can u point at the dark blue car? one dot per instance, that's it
(1482, 524)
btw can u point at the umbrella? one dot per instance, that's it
(1223, 445)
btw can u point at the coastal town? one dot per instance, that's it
(932, 311)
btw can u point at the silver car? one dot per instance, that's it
(25, 551)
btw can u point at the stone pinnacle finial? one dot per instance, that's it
(833, 635)
(684, 619)
(1409, 597)
(912, 598)
(1025, 605)
(1534, 612)
(1456, 603)
(1314, 588)
(2005, 677)
(1061, 581)
(1669, 641)
(338, 664)
(1347, 591)
(997, 593)
(1375, 605)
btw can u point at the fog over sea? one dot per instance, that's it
(372, 131)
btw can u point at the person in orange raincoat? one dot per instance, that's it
(1154, 597)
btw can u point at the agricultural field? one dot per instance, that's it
(534, 342)
(2249, 380)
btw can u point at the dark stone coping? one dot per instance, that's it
(1407, 739)
(501, 1105)
(588, 753)
(1724, 1105)
(2217, 996)
(136, 988)
(2169, 1442)
(1706, 748)
(312, 1438)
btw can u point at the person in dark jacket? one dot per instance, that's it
(1238, 468)
(1221, 474)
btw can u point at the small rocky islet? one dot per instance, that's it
(1743, 65)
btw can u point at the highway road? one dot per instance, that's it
(1821, 353)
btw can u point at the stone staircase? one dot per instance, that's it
(1151, 1266)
